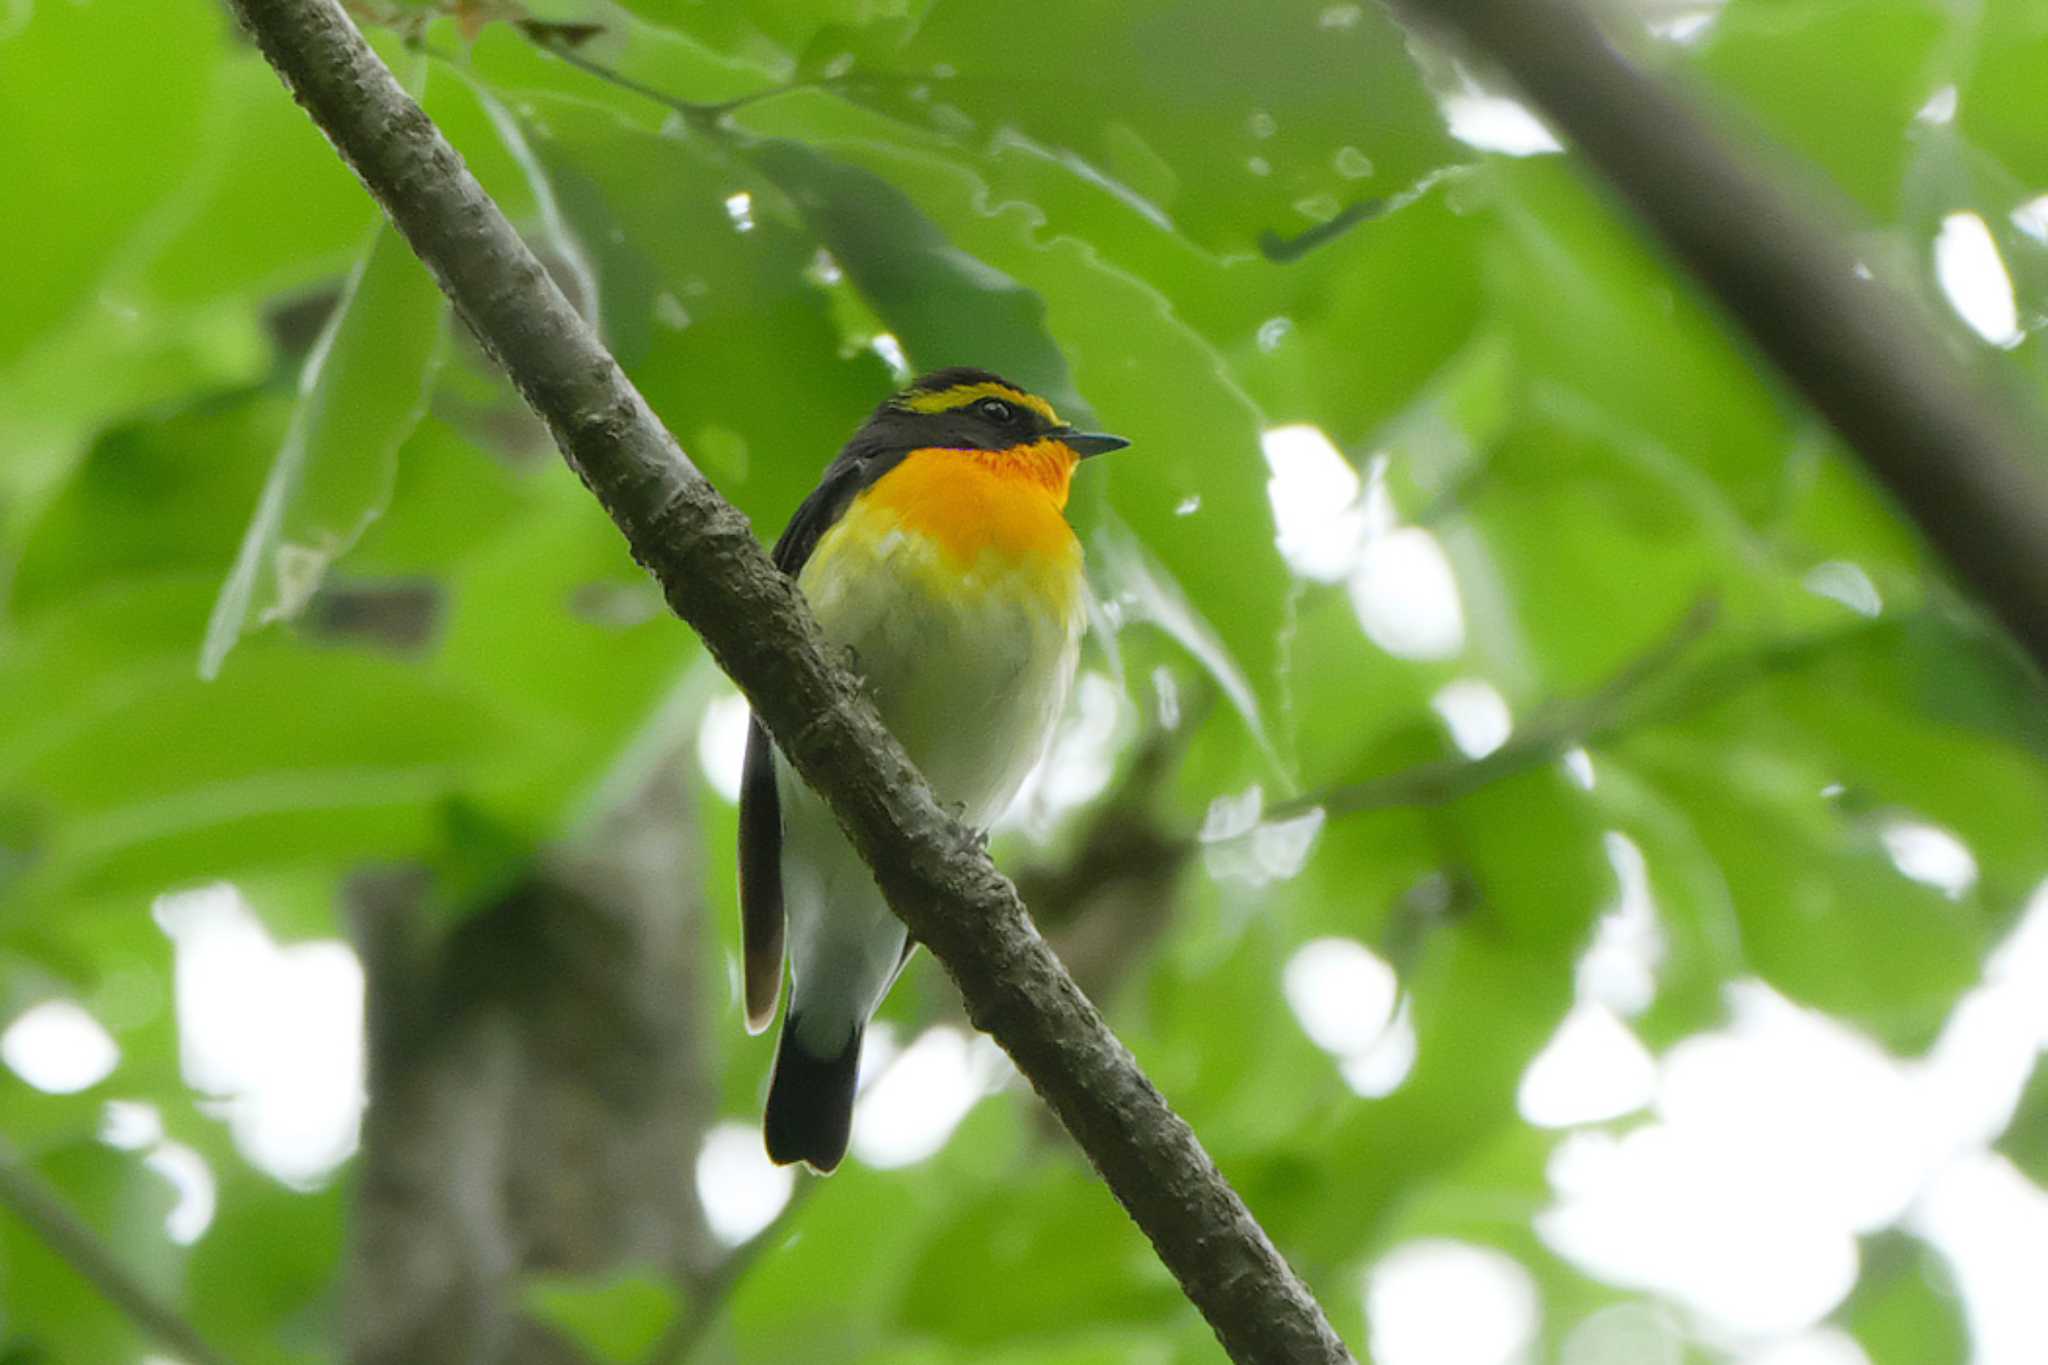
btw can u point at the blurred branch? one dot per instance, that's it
(537, 1080)
(66, 1234)
(1106, 903)
(1557, 727)
(709, 1291)
(1955, 455)
(936, 874)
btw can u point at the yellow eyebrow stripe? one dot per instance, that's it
(960, 395)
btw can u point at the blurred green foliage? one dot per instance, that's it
(228, 396)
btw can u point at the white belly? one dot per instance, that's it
(970, 672)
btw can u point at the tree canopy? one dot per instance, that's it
(1533, 804)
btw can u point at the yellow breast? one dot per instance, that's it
(975, 503)
(956, 587)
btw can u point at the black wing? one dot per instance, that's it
(761, 918)
(761, 910)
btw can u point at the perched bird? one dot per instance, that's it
(936, 552)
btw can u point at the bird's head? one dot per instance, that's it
(983, 416)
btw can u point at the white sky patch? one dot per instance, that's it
(742, 1191)
(1685, 26)
(1847, 583)
(1592, 1070)
(58, 1048)
(189, 1175)
(1495, 123)
(878, 1052)
(2032, 218)
(1973, 1075)
(1782, 1137)
(134, 1126)
(1991, 1223)
(1777, 1141)
(722, 744)
(275, 1033)
(1379, 1070)
(1578, 765)
(1081, 761)
(1476, 715)
(1940, 109)
(823, 269)
(1347, 1000)
(1648, 1211)
(1406, 596)
(1626, 1334)
(1822, 1346)
(669, 311)
(1342, 993)
(1316, 503)
(739, 207)
(1230, 816)
(1972, 276)
(912, 1108)
(1440, 1302)
(1931, 856)
(1619, 970)
(130, 1125)
(1166, 697)
(1273, 851)
(2022, 959)
(885, 345)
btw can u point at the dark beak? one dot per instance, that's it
(1085, 443)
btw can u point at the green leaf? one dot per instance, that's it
(1836, 83)
(1999, 84)
(262, 1283)
(720, 327)
(616, 1317)
(161, 496)
(946, 307)
(54, 1312)
(1074, 1245)
(1232, 121)
(1906, 1309)
(364, 388)
(1595, 314)
(1825, 917)
(93, 170)
(231, 233)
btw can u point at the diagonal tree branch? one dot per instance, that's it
(715, 576)
(1953, 454)
(66, 1234)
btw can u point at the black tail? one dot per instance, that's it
(810, 1102)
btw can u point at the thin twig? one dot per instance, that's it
(68, 1235)
(704, 114)
(708, 1293)
(1560, 726)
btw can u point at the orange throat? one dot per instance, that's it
(973, 502)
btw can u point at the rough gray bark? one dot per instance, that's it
(539, 1093)
(1953, 454)
(703, 553)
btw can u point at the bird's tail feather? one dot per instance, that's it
(810, 1101)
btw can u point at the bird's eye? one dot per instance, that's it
(995, 410)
